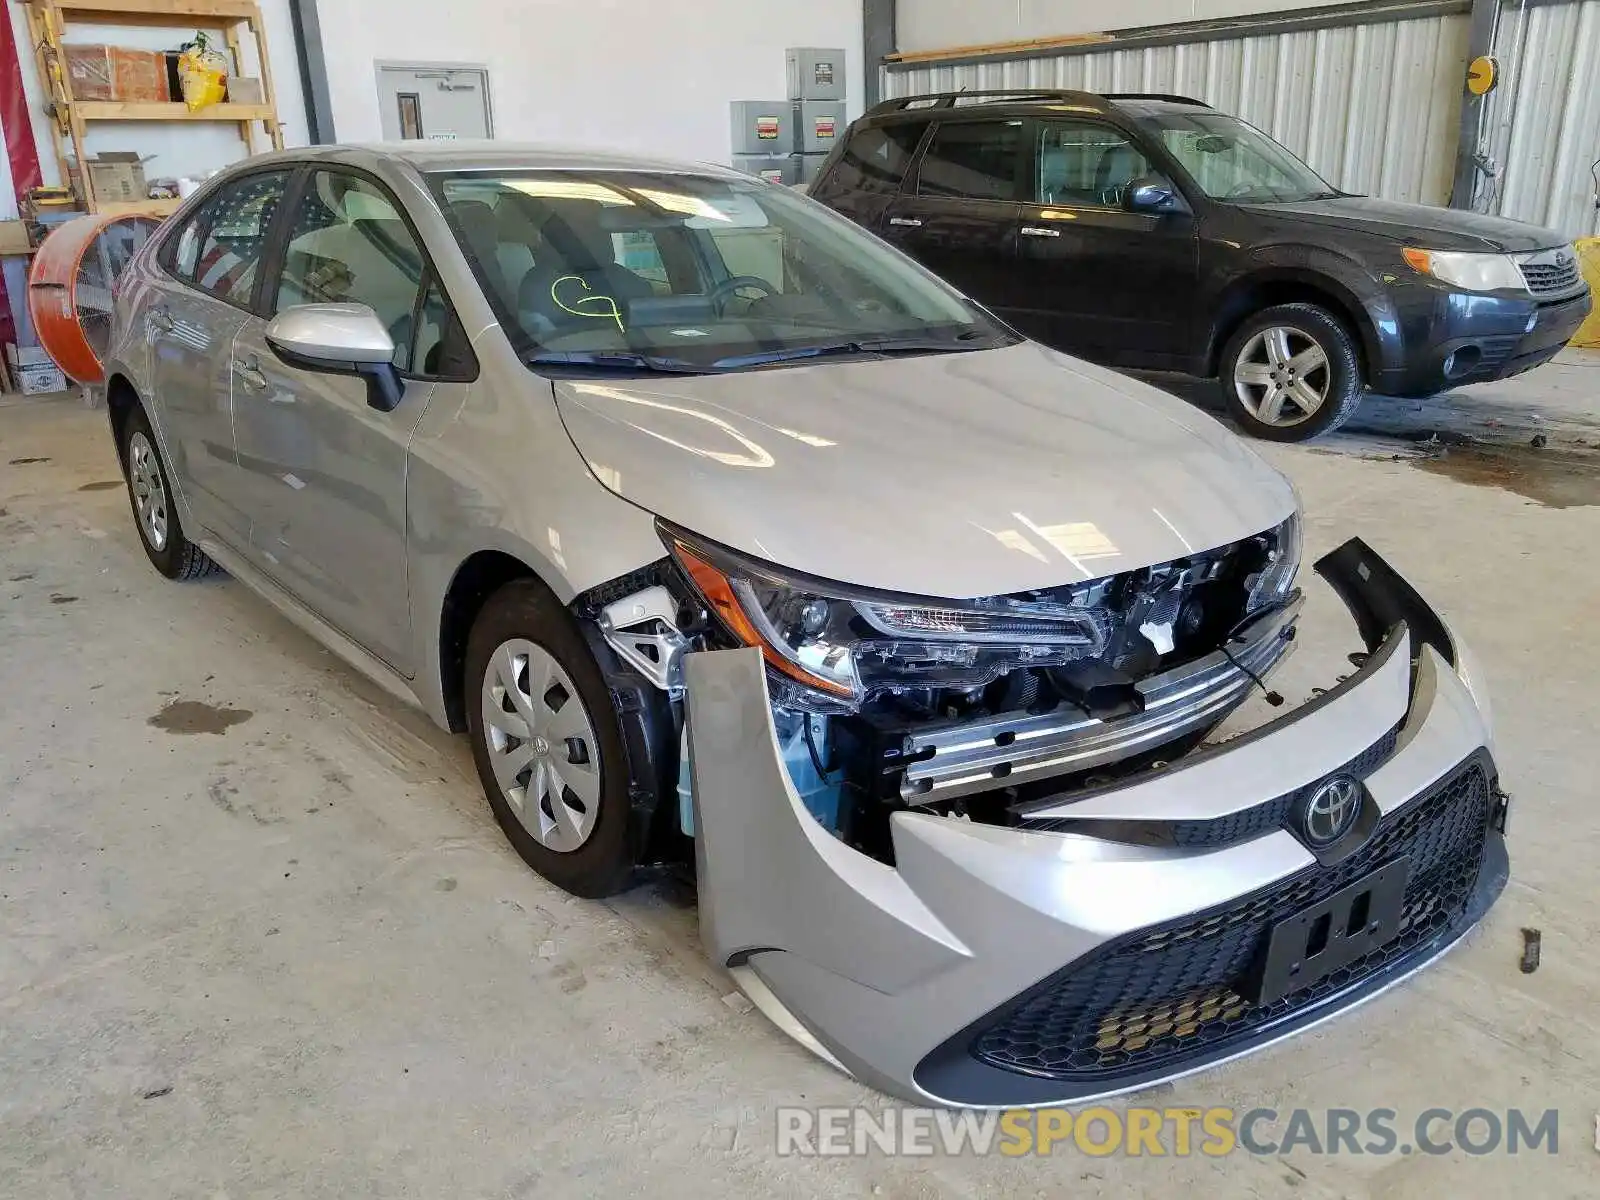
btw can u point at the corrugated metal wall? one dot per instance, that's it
(1374, 108)
(1542, 125)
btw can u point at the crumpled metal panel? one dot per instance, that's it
(1374, 108)
(1542, 125)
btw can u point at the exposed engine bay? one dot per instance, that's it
(968, 708)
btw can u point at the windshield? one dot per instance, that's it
(1230, 160)
(641, 270)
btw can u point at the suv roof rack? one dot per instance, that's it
(1025, 95)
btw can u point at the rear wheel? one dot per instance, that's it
(547, 743)
(155, 515)
(1291, 373)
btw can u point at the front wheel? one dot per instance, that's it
(547, 743)
(1292, 373)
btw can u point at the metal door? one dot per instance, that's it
(436, 102)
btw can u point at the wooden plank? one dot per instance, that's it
(154, 12)
(148, 208)
(274, 127)
(115, 110)
(997, 48)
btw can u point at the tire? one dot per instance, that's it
(154, 514)
(584, 845)
(1281, 360)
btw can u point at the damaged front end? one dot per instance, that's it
(982, 869)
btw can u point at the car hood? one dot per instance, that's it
(952, 475)
(1419, 224)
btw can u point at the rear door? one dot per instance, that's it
(959, 215)
(1092, 277)
(327, 472)
(212, 264)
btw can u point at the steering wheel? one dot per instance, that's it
(725, 291)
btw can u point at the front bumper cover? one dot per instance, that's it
(998, 966)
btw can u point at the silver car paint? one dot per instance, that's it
(882, 964)
(961, 474)
(874, 964)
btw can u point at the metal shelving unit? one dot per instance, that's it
(49, 19)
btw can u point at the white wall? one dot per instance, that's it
(650, 75)
(943, 24)
(181, 149)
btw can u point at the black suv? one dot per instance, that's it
(1155, 232)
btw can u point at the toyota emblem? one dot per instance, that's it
(1331, 811)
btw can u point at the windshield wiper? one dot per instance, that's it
(903, 345)
(613, 360)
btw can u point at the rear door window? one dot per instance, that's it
(220, 248)
(978, 160)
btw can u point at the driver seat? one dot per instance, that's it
(574, 244)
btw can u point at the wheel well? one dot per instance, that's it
(483, 574)
(121, 401)
(1239, 305)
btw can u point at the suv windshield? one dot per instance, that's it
(653, 271)
(1231, 160)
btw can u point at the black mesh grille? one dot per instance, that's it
(1178, 992)
(1551, 278)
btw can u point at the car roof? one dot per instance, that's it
(450, 156)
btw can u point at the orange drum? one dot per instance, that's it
(71, 286)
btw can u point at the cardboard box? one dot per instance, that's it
(90, 73)
(33, 372)
(118, 175)
(14, 238)
(245, 90)
(139, 76)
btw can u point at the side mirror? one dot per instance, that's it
(345, 339)
(1155, 195)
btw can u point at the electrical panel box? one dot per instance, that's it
(816, 74)
(821, 125)
(809, 165)
(774, 168)
(763, 127)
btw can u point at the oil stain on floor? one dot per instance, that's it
(194, 716)
(1553, 478)
(104, 485)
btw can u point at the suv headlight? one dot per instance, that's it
(1283, 563)
(1471, 272)
(837, 643)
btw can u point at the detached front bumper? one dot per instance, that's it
(1117, 937)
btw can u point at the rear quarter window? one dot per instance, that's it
(874, 161)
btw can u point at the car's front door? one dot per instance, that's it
(959, 215)
(212, 264)
(1097, 279)
(326, 470)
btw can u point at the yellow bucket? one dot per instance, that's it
(1589, 258)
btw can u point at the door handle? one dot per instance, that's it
(908, 222)
(249, 374)
(160, 320)
(1039, 231)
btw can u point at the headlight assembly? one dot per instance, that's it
(1283, 563)
(1470, 272)
(837, 644)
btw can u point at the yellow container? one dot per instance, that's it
(1589, 259)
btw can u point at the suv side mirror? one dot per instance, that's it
(1153, 194)
(345, 339)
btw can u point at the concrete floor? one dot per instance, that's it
(294, 957)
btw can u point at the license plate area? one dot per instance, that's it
(1304, 949)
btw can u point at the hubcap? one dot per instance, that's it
(1282, 376)
(149, 494)
(542, 745)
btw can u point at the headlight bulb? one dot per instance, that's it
(814, 616)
